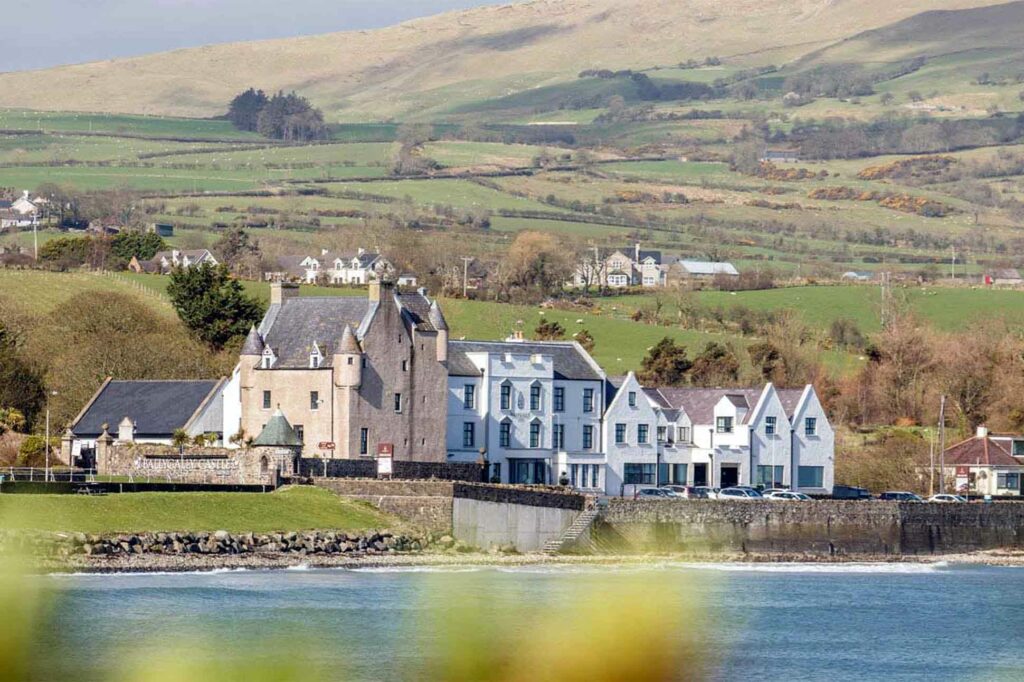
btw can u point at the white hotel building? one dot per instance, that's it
(538, 410)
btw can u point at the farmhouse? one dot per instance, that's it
(358, 268)
(1004, 277)
(621, 268)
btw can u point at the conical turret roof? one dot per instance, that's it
(278, 433)
(348, 343)
(253, 343)
(437, 318)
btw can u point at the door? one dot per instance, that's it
(730, 475)
(700, 474)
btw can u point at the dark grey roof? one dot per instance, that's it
(570, 362)
(253, 343)
(416, 308)
(292, 265)
(790, 398)
(699, 403)
(158, 408)
(303, 320)
(436, 317)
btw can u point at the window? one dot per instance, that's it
(468, 434)
(588, 400)
(661, 434)
(679, 474)
(810, 426)
(1018, 448)
(350, 360)
(505, 434)
(506, 396)
(398, 402)
(364, 441)
(405, 365)
(595, 472)
(300, 433)
(558, 399)
(638, 474)
(266, 400)
(314, 400)
(684, 434)
(620, 434)
(535, 397)
(641, 433)
(588, 437)
(810, 477)
(769, 476)
(535, 435)
(469, 396)
(558, 437)
(632, 398)
(723, 424)
(496, 472)
(769, 426)
(1008, 481)
(314, 361)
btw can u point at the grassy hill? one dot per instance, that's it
(434, 65)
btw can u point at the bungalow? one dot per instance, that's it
(165, 261)
(987, 464)
(146, 412)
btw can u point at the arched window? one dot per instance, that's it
(264, 464)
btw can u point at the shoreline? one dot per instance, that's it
(156, 563)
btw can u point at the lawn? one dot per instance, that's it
(153, 179)
(38, 292)
(121, 124)
(291, 509)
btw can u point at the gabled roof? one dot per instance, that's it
(570, 361)
(697, 267)
(980, 450)
(158, 408)
(1006, 273)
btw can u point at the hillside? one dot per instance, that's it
(434, 64)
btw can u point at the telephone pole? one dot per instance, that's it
(465, 275)
(942, 445)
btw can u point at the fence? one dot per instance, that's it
(43, 475)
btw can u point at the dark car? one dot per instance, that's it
(850, 492)
(900, 496)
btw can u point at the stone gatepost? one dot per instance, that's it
(104, 451)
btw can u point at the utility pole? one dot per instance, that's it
(952, 262)
(942, 445)
(465, 275)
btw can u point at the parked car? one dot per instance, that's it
(737, 493)
(900, 496)
(654, 494)
(850, 492)
(946, 497)
(774, 490)
(704, 492)
(683, 491)
(787, 495)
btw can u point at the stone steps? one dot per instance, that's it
(578, 527)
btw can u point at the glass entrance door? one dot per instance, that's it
(700, 474)
(730, 475)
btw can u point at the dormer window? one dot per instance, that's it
(268, 359)
(316, 358)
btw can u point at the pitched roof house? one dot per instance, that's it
(987, 464)
(165, 261)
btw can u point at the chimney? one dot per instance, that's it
(282, 291)
(323, 252)
(126, 431)
(517, 336)
(636, 252)
(982, 431)
(381, 290)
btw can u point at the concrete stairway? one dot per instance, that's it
(578, 527)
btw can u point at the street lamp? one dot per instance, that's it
(47, 442)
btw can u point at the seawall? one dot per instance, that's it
(821, 528)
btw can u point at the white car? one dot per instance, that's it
(946, 497)
(745, 494)
(787, 495)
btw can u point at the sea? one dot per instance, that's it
(898, 621)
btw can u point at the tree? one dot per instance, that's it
(549, 330)
(237, 250)
(767, 361)
(22, 389)
(585, 339)
(666, 364)
(244, 110)
(11, 419)
(180, 438)
(142, 245)
(292, 118)
(537, 264)
(212, 304)
(717, 365)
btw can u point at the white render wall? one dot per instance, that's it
(632, 452)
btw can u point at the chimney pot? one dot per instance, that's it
(982, 431)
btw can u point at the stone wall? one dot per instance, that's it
(367, 468)
(533, 496)
(194, 465)
(425, 504)
(821, 528)
(507, 525)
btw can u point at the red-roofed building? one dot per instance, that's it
(987, 464)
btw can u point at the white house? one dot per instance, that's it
(22, 212)
(718, 438)
(621, 268)
(357, 268)
(533, 408)
(165, 261)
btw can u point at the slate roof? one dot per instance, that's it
(292, 265)
(158, 408)
(980, 451)
(291, 329)
(569, 361)
(699, 403)
(278, 433)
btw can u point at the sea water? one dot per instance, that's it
(777, 621)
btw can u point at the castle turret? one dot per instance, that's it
(438, 322)
(348, 361)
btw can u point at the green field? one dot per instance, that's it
(291, 509)
(120, 124)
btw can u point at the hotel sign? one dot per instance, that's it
(385, 454)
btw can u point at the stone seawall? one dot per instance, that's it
(822, 528)
(426, 504)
